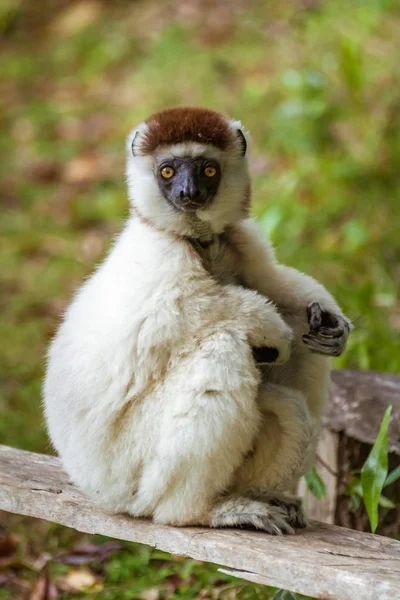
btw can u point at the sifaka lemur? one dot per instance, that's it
(187, 380)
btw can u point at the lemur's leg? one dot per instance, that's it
(210, 422)
(282, 451)
(305, 371)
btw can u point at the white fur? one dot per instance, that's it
(152, 397)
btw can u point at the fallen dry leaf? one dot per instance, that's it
(39, 591)
(8, 544)
(52, 592)
(8, 556)
(77, 580)
(12, 562)
(44, 589)
(16, 582)
(173, 582)
(45, 171)
(40, 562)
(86, 553)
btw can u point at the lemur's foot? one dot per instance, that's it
(252, 514)
(291, 505)
(328, 331)
(295, 512)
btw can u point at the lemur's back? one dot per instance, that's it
(96, 378)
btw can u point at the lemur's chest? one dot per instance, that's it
(220, 259)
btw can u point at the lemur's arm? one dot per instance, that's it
(291, 290)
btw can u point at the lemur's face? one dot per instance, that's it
(189, 183)
(187, 171)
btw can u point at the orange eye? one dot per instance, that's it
(167, 172)
(210, 171)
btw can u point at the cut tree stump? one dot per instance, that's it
(358, 400)
(323, 561)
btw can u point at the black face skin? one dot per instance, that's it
(189, 188)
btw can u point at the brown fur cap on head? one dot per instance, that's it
(186, 124)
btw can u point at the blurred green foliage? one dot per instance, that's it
(315, 82)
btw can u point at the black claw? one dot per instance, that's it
(314, 312)
(294, 510)
(319, 340)
(335, 332)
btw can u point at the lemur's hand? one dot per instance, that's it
(267, 333)
(328, 331)
(272, 344)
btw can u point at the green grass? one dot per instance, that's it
(318, 88)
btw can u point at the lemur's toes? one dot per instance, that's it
(277, 523)
(293, 508)
(296, 515)
(324, 345)
(314, 313)
(254, 514)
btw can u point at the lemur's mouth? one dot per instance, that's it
(188, 205)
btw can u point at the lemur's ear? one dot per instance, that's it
(133, 140)
(243, 142)
(242, 137)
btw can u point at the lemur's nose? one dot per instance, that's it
(189, 192)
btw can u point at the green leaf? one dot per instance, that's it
(374, 472)
(354, 490)
(392, 477)
(354, 487)
(386, 502)
(315, 483)
(354, 503)
(284, 595)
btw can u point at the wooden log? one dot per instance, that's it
(323, 561)
(357, 403)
